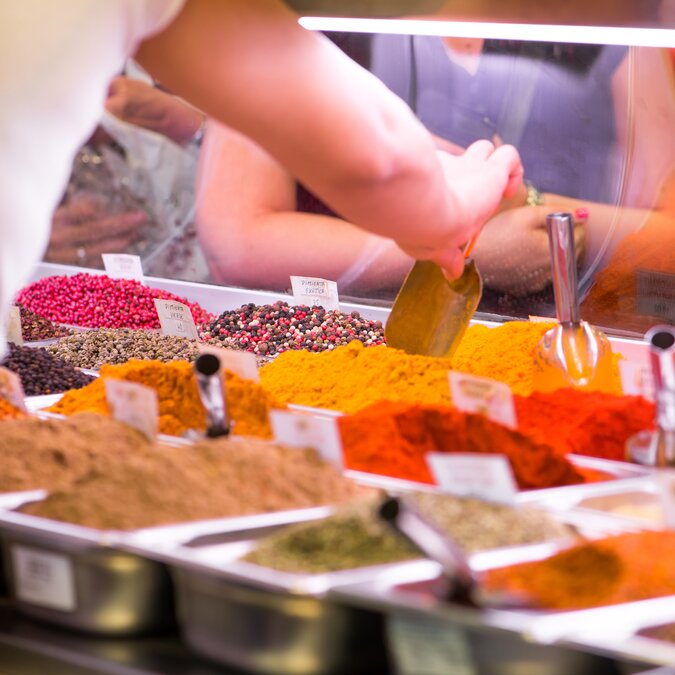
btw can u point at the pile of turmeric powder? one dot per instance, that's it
(352, 377)
(180, 407)
(8, 411)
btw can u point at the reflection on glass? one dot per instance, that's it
(593, 124)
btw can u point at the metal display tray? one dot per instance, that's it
(248, 616)
(88, 582)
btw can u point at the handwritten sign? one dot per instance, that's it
(123, 266)
(11, 389)
(483, 396)
(656, 294)
(313, 291)
(175, 318)
(488, 477)
(243, 364)
(44, 578)
(302, 430)
(14, 332)
(133, 404)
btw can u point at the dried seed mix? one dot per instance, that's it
(97, 347)
(42, 373)
(35, 328)
(272, 329)
(97, 301)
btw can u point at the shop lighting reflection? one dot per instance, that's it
(607, 35)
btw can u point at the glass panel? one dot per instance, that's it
(593, 124)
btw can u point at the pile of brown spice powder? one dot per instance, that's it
(216, 478)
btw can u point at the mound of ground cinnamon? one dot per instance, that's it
(213, 479)
(180, 407)
(51, 454)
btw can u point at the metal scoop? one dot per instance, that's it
(431, 314)
(461, 585)
(212, 393)
(574, 353)
(657, 448)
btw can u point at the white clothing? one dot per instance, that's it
(56, 60)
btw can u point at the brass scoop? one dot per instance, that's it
(573, 353)
(431, 314)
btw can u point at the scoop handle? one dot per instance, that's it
(407, 522)
(560, 229)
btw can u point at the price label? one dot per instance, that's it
(123, 266)
(483, 396)
(488, 477)
(243, 364)
(312, 291)
(636, 379)
(133, 404)
(14, 332)
(11, 389)
(423, 644)
(656, 294)
(176, 319)
(43, 578)
(301, 430)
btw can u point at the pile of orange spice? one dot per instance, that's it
(8, 411)
(623, 568)
(180, 407)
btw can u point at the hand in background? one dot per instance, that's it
(82, 230)
(143, 105)
(512, 252)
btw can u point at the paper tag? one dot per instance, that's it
(483, 396)
(656, 294)
(312, 291)
(302, 430)
(14, 332)
(421, 644)
(123, 266)
(133, 404)
(43, 578)
(636, 379)
(243, 364)
(11, 389)
(488, 477)
(176, 319)
(533, 318)
(666, 483)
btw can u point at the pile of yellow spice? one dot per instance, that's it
(180, 407)
(352, 377)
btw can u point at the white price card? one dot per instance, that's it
(666, 484)
(123, 266)
(636, 379)
(176, 319)
(44, 578)
(133, 404)
(243, 364)
(14, 333)
(11, 389)
(313, 291)
(483, 396)
(488, 477)
(303, 430)
(421, 644)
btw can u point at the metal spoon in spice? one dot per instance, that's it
(212, 393)
(461, 586)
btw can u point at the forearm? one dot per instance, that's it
(302, 244)
(363, 151)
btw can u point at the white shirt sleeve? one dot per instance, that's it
(56, 60)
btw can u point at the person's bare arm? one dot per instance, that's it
(250, 65)
(253, 236)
